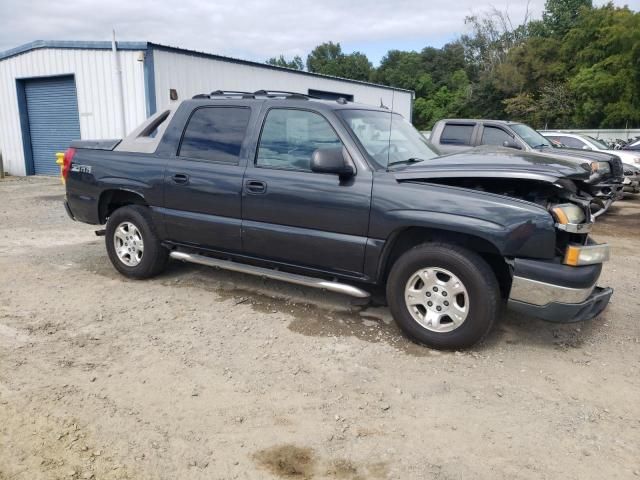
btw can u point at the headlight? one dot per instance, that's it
(568, 213)
(577, 255)
(570, 218)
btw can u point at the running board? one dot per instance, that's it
(269, 273)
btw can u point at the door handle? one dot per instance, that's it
(255, 186)
(181, 178)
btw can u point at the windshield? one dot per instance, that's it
(529, 135)
(598, 143)
(388, 138)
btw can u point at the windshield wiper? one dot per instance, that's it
(407, 161)
(542, 145)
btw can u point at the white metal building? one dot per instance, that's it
(52, 92)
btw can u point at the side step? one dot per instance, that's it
(269, 273)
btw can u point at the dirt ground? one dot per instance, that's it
(205, 374)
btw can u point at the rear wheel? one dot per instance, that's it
(132, 243)
(443, 296)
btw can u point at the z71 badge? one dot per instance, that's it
(81, 168)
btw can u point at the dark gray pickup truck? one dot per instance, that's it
(348, 198)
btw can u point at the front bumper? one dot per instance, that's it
(607, 193)
(556, 292)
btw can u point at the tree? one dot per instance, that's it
(493, 36)
(603, 50)
(400, 69)
(295, 64)
(325, 58)
(555, 106)
(522, 108)
(329, 59)
(560, 16)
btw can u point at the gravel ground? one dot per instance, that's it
(204, 374)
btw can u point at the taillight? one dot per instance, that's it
(66, 163)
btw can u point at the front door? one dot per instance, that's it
(203, 182)
(293, 215)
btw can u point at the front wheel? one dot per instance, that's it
(132, 243)
(443, 296)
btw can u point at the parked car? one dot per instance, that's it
(348, 198)
(633, 145)
(456, 135)
(629, 158)
(587, 142)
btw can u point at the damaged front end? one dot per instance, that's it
(561, 288)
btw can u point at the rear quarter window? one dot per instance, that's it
(453, 134)
(215, 134)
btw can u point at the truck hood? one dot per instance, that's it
(495, 162)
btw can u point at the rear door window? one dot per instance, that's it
(215, 134)
(494, 136)
(456, 134)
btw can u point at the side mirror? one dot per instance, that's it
(511, 144)
(586, 147)
(331, 160)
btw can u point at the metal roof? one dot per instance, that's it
(105, 45)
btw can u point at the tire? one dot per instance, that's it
(420, 275)
(131, 230)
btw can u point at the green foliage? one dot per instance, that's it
(329, 59)
(560, 16)
(295, 64)
(439, 102)
(579, 66)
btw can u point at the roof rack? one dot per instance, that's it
(224, 93)
(257, 93)
(282, 93)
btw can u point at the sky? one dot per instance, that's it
(256, 30)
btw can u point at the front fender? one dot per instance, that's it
(521, 237)
(514, 227)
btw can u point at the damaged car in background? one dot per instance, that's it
(348, 198)
(605, 183)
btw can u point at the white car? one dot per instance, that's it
(586, 142)
(630, 158)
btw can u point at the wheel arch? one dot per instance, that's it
(112, 199)
(406, 238)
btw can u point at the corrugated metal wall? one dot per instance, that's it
(94, 82)
(190, 75)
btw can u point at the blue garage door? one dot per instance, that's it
(52, 107)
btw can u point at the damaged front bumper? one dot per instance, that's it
(606, 194)
(555, 292)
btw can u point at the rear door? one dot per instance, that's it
(203, 180)
(293, 215)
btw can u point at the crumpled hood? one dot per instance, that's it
(496, 162)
